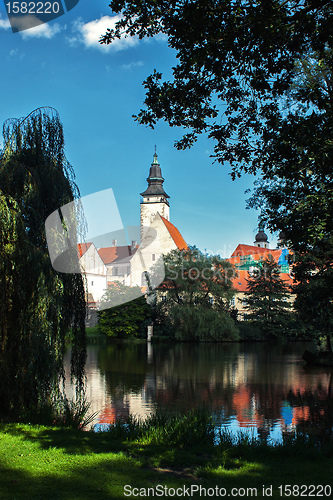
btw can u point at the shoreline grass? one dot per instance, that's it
(40, 462)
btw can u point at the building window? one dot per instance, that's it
(233, 301)
(92, 283)
(153, 257)
(115, 271)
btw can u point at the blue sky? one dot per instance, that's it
(96, 89)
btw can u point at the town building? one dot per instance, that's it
(135, 264)
(247, 258)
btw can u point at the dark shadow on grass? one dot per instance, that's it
(70, 441)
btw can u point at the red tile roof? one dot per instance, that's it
(250, 250)
(240, 283)
(175, 234)
(257, 253)
(82, 248)
(115, 254)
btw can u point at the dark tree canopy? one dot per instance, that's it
(296, 194)
(314, 301)
(38, 305)
(126, 319)
(236, 61)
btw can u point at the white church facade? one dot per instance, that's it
(130, 264)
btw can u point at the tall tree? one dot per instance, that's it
(267, 298)
(295, 194)
(38, 304)
(195, 278)
(196, 295)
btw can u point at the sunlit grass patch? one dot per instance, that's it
(41, 462)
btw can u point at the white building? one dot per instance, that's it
(95, 272)
(130, 264)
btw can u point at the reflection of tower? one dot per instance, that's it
(154, 198)
(261, 239)
(150, 358)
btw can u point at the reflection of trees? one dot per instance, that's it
(190, 375)
(252, 387)
(124, 367)
(317, 421)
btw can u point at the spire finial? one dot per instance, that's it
(155, 161)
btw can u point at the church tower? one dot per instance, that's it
(261, 238)
(154, 199)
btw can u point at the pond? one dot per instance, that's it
(264, 389)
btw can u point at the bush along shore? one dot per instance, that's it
(165, 456)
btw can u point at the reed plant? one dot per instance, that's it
(174, 429)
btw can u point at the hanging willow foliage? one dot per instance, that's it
(37, 304)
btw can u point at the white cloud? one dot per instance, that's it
(131, 65)
(160, 37)
(4, 23)
(16, 54)
(90, 33)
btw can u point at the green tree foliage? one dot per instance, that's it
(204, 325)
(235, 60)
(195, 278)
(37, 304)
(266, 298)
(196, 294)
(124, 320)
(296, 193)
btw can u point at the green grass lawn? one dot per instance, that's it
(39, 462)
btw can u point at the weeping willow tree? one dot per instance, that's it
(37, 304)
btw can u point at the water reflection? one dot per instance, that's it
(263, 388)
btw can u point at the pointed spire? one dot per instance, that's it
(155, 179)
